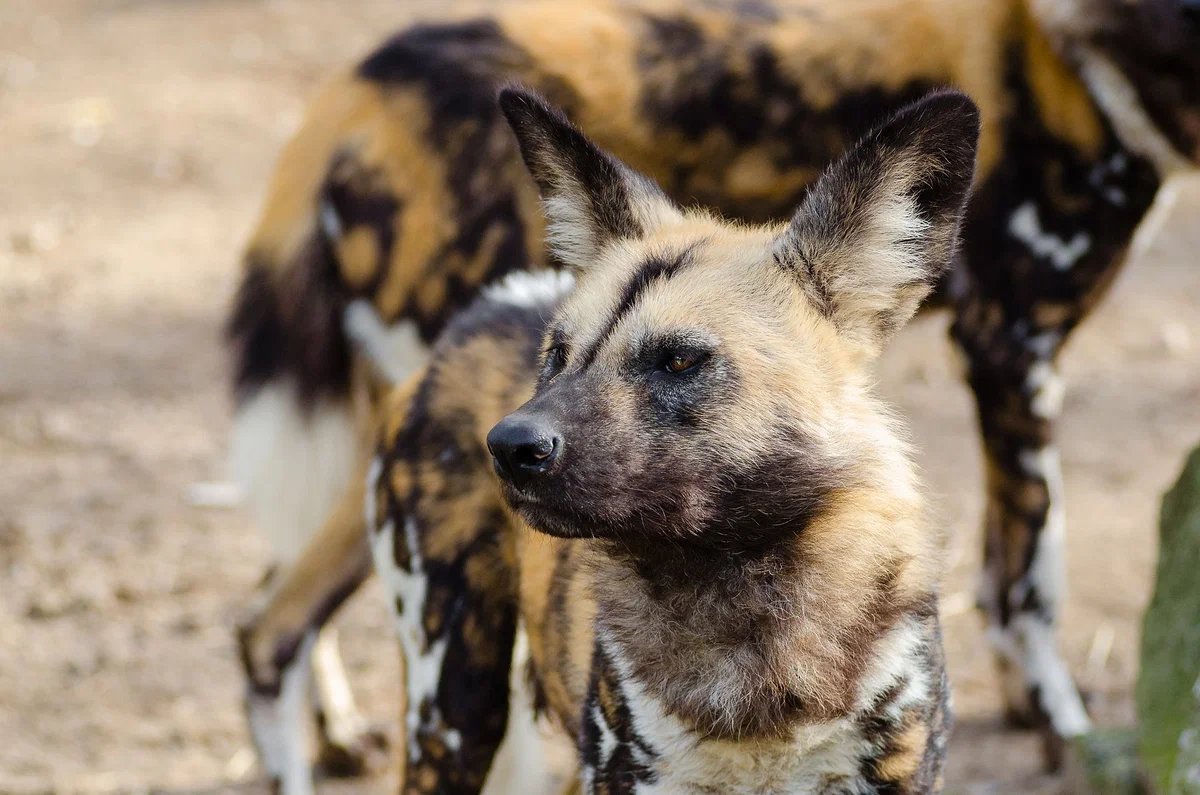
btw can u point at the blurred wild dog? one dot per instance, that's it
(695, 519)
(404, 190)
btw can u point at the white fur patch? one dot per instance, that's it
(531, 288)
(1135, 129)
(1041, 661)
(330, 221)
(278, 726)
(422, 660)
(395, 351)
(571, 229)
(292, 465)
(897, 655)
(1046, 390)
(343, 722)
(1044, 344)
(1047, 571)
(1025, 226)
(374, 472)
(1099, 176)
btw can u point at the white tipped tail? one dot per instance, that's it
(291, 463)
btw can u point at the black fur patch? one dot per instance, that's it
(1060, 181)
(453, 63)
(457, 68)
(690, 88)
(350, 191)
(291, 327)
(624, 768)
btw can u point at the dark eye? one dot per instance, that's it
(681, 361)
(555, 360)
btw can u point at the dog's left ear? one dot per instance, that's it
(591, 199)
(881, 225)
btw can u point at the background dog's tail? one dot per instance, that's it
(295, 434)
(294, 437)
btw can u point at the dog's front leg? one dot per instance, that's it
(453, 596)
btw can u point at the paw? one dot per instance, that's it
(1029, 713)
(353, 754)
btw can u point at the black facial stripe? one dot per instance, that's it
(651, 271)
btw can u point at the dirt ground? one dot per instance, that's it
(137, 136)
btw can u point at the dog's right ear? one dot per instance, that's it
(591, 199)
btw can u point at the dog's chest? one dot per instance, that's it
(629, 742)
(644, 750)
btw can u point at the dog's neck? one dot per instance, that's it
(751, 643)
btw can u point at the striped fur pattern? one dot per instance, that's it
(725, 581)
(404, 190)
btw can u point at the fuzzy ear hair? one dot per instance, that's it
(590, 197)
(881, 225)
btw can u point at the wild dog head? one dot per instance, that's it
(1154, 45)
(707, 382)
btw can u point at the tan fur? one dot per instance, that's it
(592, 51)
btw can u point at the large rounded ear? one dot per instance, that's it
(881, 225)
(590, 197)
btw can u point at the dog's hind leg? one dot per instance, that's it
(347, 743)
(277, 640)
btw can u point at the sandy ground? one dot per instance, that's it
(137, 137)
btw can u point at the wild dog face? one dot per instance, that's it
(707, 381)
(1154, 43)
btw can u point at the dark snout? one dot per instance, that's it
(523, 447)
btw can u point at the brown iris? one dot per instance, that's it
(680, 362)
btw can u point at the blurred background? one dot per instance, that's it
(136, 138)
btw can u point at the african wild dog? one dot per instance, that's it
(733, 589)
(404, 190)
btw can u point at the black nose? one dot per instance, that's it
(523, 448)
